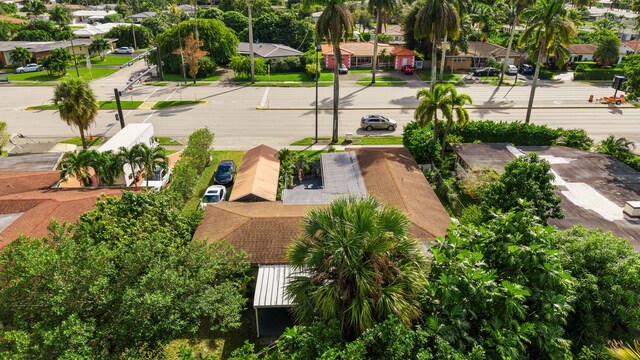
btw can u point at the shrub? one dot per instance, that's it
(517, 133)
(198, 150)
(545, 74)
(474, 182)
(184, 180)
(575, 138)
(420, 143)
(596, 73)
(365, 36)
(207, 67)
(56, 63)
(310, 69)
(472, 215)
(288, 64)
(583, 65)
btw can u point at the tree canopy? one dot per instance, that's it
(126, 277)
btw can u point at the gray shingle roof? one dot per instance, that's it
(268, 50)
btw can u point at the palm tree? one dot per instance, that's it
(379, 8)
(514, 8)
(59, 15)
(462, 7)
(100, 46)
(547, 25)
(457, 101)
(616, 147)
(130, 156)
(20, 55)
(362, 266)
(333, 24)
(433, 21)
(177, 13)
(622, 351)
(76, 165)
(35, 8)
(76, 104)
(106, 165)
(434, 99)
(151, 159)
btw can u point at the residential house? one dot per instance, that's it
(359, 54)
(89, 16)
(263, 229)
(396, 34)
(585, 52)
(268, 51)
(28, 203)
(633, 45)
(137, 18)
(477, 54)
(97, 31)
(44, 48)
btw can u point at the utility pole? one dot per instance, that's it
(159, 58)
(120, 115)
(75, 61)
(318, 48)
(251, 55)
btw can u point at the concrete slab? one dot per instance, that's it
(30, 162)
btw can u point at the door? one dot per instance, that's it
(404, 61)
(512, 61)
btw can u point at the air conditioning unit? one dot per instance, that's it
(632, 209)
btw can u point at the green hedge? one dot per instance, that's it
(583, 64)
(596, 73)
(545, 74)
(516, 133)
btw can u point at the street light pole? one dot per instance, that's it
(251, 55)
(318, 48)
(75, 61)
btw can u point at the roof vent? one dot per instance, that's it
(632, 209)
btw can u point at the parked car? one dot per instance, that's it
(123, 50)
(225, 172)
(213, 194)
(526, 69)
(407, 69)
(343, 69)
(512, 70)
(487, 71)
(29, 68)
(379, 122)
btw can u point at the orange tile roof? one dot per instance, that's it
(581, 48)
(633, 44)
(30, 193)
(366, 49)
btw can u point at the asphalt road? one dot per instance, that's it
(242, 117)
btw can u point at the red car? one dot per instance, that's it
(407, 69)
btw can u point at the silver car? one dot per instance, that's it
(29, 68)
(379, 122)
(123, 50)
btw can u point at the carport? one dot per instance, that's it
(270, 302)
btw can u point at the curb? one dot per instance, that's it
(515, 107)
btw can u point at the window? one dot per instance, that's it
(458, 59)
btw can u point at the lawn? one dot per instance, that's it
(167, 141)
(104, 105)
(425, 75)
(325, 75)
(206, 178)
(286, 84)
(179, 77)
(382, 81)
(97, 140)
(357, 140)
(110, 60)
(42, 76)
(171, 103)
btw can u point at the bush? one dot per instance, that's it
(288, 64)
(184, 180)
(583, 65)
(545, 74)
(575, 138)
(198, 150)
(207, 67)
(420, 143)
(472, 215)
(516, 133)
(310, 69)
(583, 73)
(56, 63)
(365, 36)
(124, 34)
(474, 182)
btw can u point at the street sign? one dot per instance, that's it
(130, 87)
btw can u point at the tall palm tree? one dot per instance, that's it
(130, 156)
(362, 266)
(106, 165)
(76, 104)
(435, 19)
(434, 99)
(151, 159)
(514, 8)
(76, 165)
(461, 114)
(547, 25)
(379, 8)
(333, 25)
(35, 8)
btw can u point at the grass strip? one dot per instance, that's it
(167, 141)
(382, 81)
(172, 103)
(104, 105)
(97, 140)
(357, 140)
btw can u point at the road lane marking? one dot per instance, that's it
(154, 111)
(264, 98)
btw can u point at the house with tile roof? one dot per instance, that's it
(28, 203)
(585, 52)
(395, 32)
(477, 54)
(360, 54)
